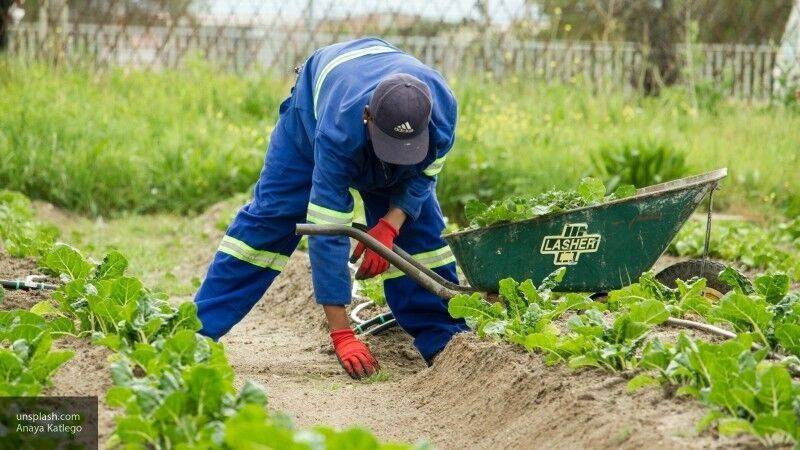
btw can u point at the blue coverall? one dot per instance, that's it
(318, 150)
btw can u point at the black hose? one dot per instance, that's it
(22, 285)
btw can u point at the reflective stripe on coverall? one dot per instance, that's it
(318, 150)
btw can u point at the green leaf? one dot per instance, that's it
(45, 307)
(113, 266)
(112, 341)
(206, 388)
(640, 381)
(625, 329)
(542, 341)
(251, 393)
(788, 336)
(250, 429)
(514, 302)
(473, 209)
(591, 190)
(776, 388)
(42, 368)
(732, 426)
(552, 281)
(709, 419)
(625, 191)
(118, 396)
(781, 425)
(470, 306)
(63, 259)
(745, 314)
(135, 431)
(651, 312)
(61, 325)
(186, 318)
(736, 280)
(772, 286)
(580, 361)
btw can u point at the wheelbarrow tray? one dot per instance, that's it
(604, 247)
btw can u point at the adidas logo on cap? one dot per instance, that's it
(404, 128)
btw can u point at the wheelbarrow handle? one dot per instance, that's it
(401, 260)
(405, 255)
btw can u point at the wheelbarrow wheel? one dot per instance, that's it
(696, 268)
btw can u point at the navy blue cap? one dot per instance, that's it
(400, 109)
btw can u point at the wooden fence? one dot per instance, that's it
(744, 71)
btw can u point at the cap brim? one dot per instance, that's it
(399, 151)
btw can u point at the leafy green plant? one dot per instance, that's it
(590, 191)
(372, 289)
(169, 147)
(27, 360)
(183, 398)
(592, 342)
(753, 246)
(639, 162)
(175, 387)
(686, 298)
(20, 233)
(523, 309)
(746, 392)
(116, 310)
(252, 428)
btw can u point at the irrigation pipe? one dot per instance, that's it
(354, 313)
(30, 283)
(682, 323)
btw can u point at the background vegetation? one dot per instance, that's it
(178, 141)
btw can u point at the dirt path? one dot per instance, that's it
(477, 395)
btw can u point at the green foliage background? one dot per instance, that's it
(179, 141)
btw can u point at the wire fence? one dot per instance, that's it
(457, 37)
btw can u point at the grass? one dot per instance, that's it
(380, 376)
(129, 142)
(133, 141)
(520, 138)
(166, 251)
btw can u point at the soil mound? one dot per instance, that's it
(499, 396)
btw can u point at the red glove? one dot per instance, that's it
(353, 354)
(373, 263)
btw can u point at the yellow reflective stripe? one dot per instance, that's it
(435, 167)
(261, 258)
(374, 50)
(431, 260)
(324, 216)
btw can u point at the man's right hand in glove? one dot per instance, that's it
(353, 354)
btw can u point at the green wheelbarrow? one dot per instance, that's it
(604, 247)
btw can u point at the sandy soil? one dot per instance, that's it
(476, 395)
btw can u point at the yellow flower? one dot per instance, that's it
(557, 11)
(567, 28)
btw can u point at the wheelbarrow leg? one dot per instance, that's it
(707, 243)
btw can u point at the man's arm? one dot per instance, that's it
(330, 203)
